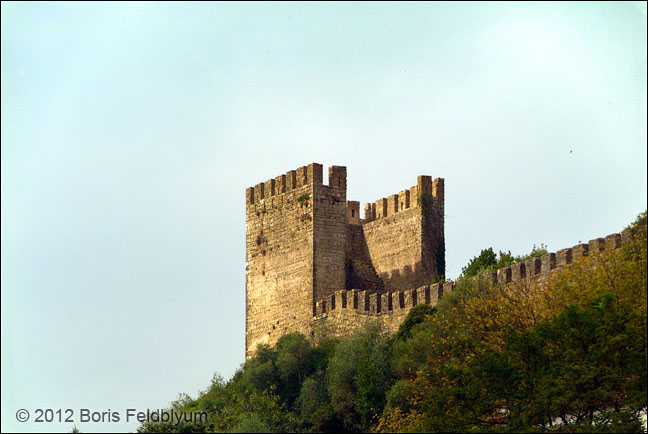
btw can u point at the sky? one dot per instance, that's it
(130, 132)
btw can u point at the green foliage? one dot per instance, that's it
(639, 222)
(314, 405)
(489, 260)
(170, 427)
(358, 376)
(536, 252)
(581, 364)
(416, 315)
(264, 412)
(566, 355)
(303, 198)
(251, 423)
(486, 260)
(294, 362)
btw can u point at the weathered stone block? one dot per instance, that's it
(578, 251)
(423, 295)
(596, 245)
(548, 262)
(563, 257)
(518, 271)
(504, 275)
(612, 241)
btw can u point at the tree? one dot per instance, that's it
(488, 260)
(358, 375)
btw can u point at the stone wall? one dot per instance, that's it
(360, 272)
(305, 241)
(329, 239)
(404, 235)
(279, 256)
(345, 310)
(311, 259)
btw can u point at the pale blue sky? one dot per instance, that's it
(130, 131)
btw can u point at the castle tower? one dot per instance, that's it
(400, 243)
(295, 243)
(304, 242)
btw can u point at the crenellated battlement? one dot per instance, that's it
(311, 259)
(295, 249)
(546, 264)
(415, 196)
(369, 303)
(353, 212)
(303, 176)
(291, 180)
(305, 241)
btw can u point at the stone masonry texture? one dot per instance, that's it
(312, 262)
(305, 243)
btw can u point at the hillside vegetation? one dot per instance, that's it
(566, 355)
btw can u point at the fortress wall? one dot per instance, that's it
(304, 242)
(542, 268)
(311, 260)
(360, 271)
(347, 309)
(353, 212)
(329, 240)
(404, 235)
(279, 256)
(433, 246)
(394, 246)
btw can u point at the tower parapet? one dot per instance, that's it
(305, 241)
(291, 180)
(425, 189)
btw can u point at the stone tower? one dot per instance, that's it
(304, 241)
